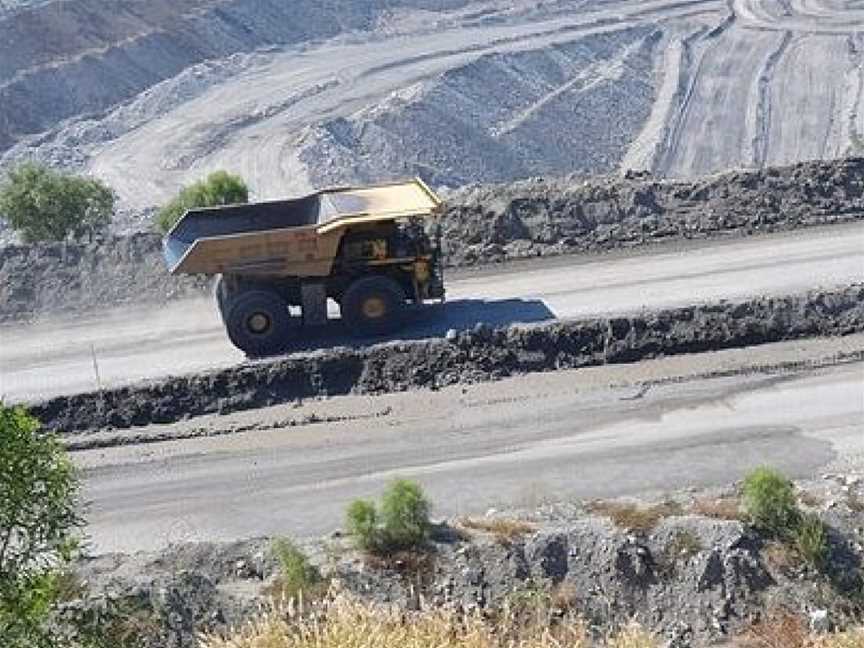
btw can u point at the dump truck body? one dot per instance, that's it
(335, 244)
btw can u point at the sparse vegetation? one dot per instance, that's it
(44, 205)
(633, 517)
(38, 528)
(218, 188)
(683, 546)
(297, 576)
(810, 540)
(770, 504)
(350, 624)
(721, 508)
(400, 523)
(505, 530)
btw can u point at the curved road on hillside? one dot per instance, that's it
(128, 344)
(741, 83)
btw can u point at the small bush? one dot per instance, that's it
(405, 515)
(218, 188)
(810, 540)
(297, 576)
(362, 523)
(402, 523)
(43, 205)
(769, 503)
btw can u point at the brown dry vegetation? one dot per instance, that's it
(505, 530)
(349, 624)
(721, 508)
(784, 629)
(634, 517)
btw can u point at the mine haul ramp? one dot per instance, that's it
(278, 262)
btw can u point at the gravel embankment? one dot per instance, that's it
(479, 355)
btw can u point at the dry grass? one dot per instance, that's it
(855, 502)
(811, 499)
(721, 508)
(683, 546)
(781, 557)
(783, 629)
(850, 639)
(505, 530)
(349, 624)
(633, 517)
(780, 629)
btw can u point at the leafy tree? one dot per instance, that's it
(43, 205)
(38, 525)
(218, 188)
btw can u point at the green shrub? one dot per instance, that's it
(38, 527)
(362, 523)
(296, 574)
(402, 523)
(43, 205)
(769, 502)
(811, 541)
(405, 515)
(218, 188)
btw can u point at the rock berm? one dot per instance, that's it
(480, 354)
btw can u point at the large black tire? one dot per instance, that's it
(373, 306)
(258, 322)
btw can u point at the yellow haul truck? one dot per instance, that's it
(278, 262)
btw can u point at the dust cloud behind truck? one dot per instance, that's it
(368, 249)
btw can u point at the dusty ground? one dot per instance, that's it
(456, 90)
(589, 435)
(598, 432)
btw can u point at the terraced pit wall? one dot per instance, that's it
(480, 355)
(484, 224)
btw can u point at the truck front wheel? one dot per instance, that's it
(373, 306)
(258, 322)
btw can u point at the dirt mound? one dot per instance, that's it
(500, 117)
(482, 354)
(481, 224)
(79, 59)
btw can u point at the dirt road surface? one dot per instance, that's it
(134, 344)
(517, 442)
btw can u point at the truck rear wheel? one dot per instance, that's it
(258, 322)
(373, 306)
